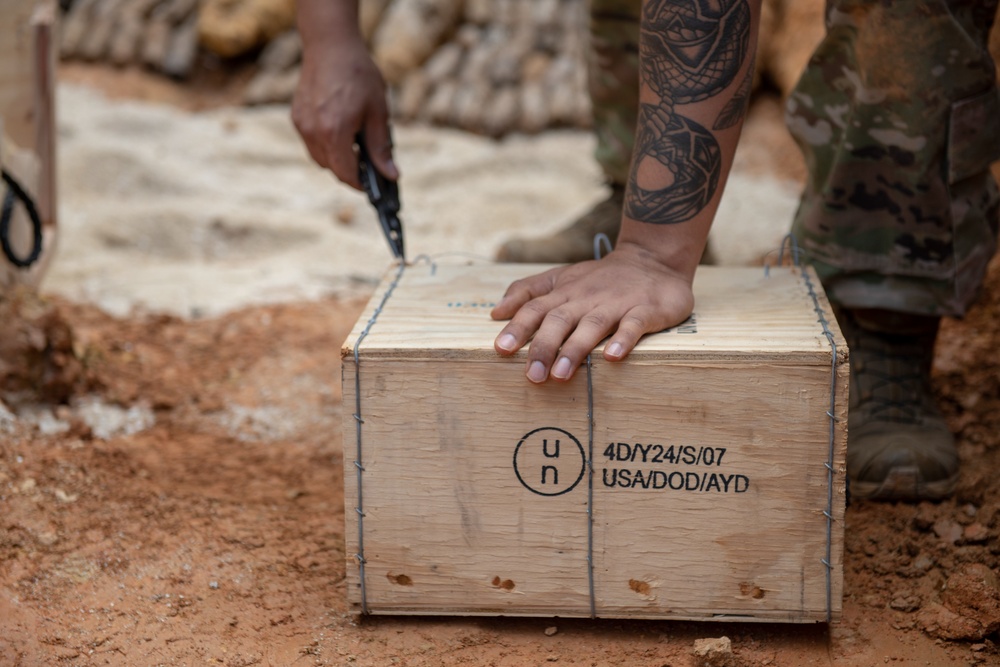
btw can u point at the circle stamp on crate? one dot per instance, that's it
(549, 461)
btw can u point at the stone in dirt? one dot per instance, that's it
(947, 530)
(7, 418)
(713, 652)
(975, 533)
(970, 606)
(905, 603)
(927, 515)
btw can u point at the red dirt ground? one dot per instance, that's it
(216, 535)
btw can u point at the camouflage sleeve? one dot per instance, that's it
(900, 210)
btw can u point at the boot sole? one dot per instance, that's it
(904, 483)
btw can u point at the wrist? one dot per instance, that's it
(329, 26)
(347, 53)
(676, 249)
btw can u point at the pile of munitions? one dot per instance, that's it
(487, 66)
(160, 34)
(168, 36)
(510, 65)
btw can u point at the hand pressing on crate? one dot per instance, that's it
(691, 110)
(570, 309)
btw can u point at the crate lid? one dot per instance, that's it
(442, 310)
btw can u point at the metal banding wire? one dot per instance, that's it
(827, 562)
(794, 250)
(358, 459)
(831, 413)
(590, 488)
(601, 243)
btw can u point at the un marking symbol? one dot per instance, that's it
(549, 461)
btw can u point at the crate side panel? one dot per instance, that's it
(472, 491)
(719, 509)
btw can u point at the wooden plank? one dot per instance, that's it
(709, 458)
(43, 23)
(17, 72)
(27, 107)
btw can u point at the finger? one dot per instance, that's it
(524, 324)
(525, 305)
(378, 141)
(522, 291)
(317, 153)
(329, 141)
(555, 328)
(636, 323)
(590, 330)
(313, 140)
(343, 159)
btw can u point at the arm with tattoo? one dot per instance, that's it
(691, 51)
(696, 63)
(696, 59)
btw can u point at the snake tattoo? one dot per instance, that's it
(692, 51)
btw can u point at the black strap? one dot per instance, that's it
(14, 193)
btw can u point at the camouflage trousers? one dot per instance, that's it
(898, 117)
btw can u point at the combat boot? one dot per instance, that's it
(898, 444)
(574, 243)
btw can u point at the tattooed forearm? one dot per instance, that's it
(691, 50)
(694, 48)
(736, 108)
(692, 158)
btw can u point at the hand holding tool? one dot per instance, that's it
(384, 196)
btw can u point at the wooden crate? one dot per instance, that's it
(469, 490)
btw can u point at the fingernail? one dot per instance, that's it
(391, 164)
(536, 372)
(506, 342)
(562, 368)
(614, 350)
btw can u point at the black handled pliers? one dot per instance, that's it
(384, 196)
